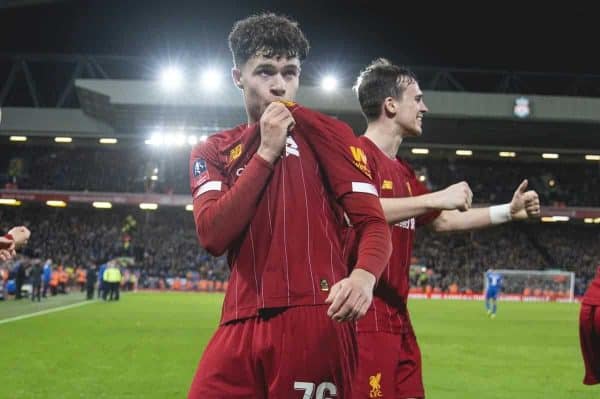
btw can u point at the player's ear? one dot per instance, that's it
(236, 75)
(389, 106)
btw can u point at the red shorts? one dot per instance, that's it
(389, 366)
(298, 353)
(589, 337)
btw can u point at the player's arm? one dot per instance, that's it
(222, 213)
(457, 196)
(525, 204)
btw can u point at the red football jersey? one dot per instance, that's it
(283, 233)
(592, 295)
(393, 178)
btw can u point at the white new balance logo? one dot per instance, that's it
(291, 148)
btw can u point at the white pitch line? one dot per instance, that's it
(43, 312)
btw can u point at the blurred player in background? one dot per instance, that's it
(494, 286)
(589, 331)
(392, 102)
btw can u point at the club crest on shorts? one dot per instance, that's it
(324, 285)
(375, 383)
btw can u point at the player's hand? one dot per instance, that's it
(275, 123)
(457, 196)
(6, 254)
(525, 204)
(351, 297)
(21, 235)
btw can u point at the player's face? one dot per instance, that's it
(265, 80)
(411, 109)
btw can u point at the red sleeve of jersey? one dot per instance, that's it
(338, 151)
(419, 188)
(221, 213)
(374, 240)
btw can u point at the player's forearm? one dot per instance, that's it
(399, 209)
(221, 219)
(372, 232)
(474, 218)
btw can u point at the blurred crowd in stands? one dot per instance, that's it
(165, 254)
(113, 170)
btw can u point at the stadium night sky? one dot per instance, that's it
(493, 35)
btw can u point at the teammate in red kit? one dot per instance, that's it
(16, 238)
(392, 102)
(272, 193)
(589, 331)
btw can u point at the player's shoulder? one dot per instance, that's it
(406, 168)
(329, 123)
(216, 142)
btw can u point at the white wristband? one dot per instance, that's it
(500, 214)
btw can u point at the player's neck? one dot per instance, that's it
(385, 136)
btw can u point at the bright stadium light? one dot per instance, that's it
(189, 207)
(108, 140)
(211, 79)
(329, 83)
(592, 157)
(588, 220)
(56, 204)
(464, 153)
(420, 151)
(63, 139)
(192, 140)
(154, 178)
(550, 155)
(179, 140)
(171, 78)
(422, 178)
(203, 137)
(148, 206)
(552, 219)
(101, 205)
(507, 154)
(9, 202)
(18, 138)
(157, 139)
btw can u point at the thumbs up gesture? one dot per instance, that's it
(525, 204)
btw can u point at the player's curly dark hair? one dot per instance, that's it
(378, 81)
(269, 35)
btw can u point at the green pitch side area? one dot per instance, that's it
(148, 345)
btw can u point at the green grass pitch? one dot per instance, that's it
(148, 345)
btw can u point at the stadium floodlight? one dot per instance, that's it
(157, 139)
(171, 78)
(329, 83)
(56, 203)
(421, 151)
(148, 206)
(18, 138)
(63, 139)
(179, 140)
(203, 137)
(550, 155)
(101, 205)
(597, 220)
(154, 178)
(211, 79)
(108, 140)
(507, 154)
(9, 202)
(464, 153)
(189, 207)
(588, 220)
(192, 140)
(551, 219)
(592, 157)
(422, 178)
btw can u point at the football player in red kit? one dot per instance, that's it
(272, 193)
